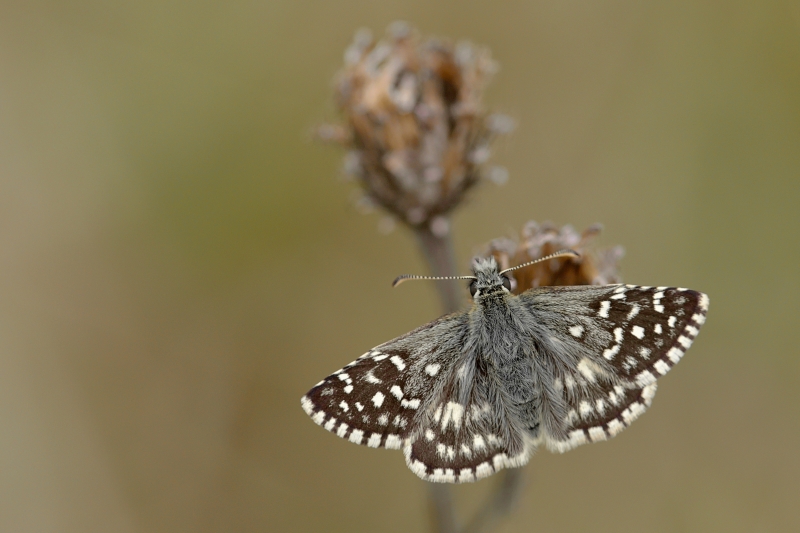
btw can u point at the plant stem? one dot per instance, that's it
(439, 254)
(499, 503)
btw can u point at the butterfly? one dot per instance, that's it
(477, 391)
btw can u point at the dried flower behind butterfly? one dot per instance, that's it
(417, 133)
(592, 267)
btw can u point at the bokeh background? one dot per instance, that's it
(179, 262)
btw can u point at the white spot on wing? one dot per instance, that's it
(604, 307)
(308, 405)
(397, 392)
(483, 470)
(432, 369)
(589, 369)
(356, 436)
(661, 367)
(370, 378)
(453, 411)
(378, 399)
(615, 426)
(601, 406)
(597, 434)
(398, 362)
(576, 331)
(374, 440)
(441, 449)
(609, 353)
(411, 404)
(638, 332)
(393, 442)
(675, 354)
(645, 378)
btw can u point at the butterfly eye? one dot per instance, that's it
(506, 283)
(473, 287)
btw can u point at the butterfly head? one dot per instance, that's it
(488, 280)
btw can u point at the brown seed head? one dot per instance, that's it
(539, 240)
(417, 133)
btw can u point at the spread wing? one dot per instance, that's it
(603, 347)
(376, 399)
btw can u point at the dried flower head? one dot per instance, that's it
(417, 134)
(539, 240)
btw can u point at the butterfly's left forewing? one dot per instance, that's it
(376, 399)
(613, 343)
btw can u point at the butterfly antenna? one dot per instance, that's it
(562, 253)
(406, 277)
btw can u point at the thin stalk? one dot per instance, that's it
(499, 503)
(439, 254)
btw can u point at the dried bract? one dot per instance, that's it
(539, 240)
(416, 132)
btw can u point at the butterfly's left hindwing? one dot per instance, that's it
(613, 342)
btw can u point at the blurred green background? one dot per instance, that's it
(179, 263)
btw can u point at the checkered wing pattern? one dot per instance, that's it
(614, 342)
(376, 399)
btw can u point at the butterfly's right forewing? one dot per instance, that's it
(613, 343)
